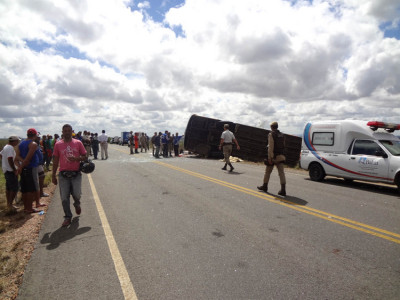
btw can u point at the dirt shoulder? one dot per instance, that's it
(18, 234)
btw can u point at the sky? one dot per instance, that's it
(123, 65)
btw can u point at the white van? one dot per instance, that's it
(352, 150)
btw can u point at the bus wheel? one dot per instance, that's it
(316, 172)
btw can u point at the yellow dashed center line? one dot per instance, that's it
(378, 232)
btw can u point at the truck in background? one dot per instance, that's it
(202, 136)
(124, 138)
(353, 150)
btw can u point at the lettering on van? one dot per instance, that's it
(368, 163)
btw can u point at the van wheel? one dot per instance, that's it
(316, 172)
(397, 181)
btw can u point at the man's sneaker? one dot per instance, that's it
(66, 223)
(44, 195)
(78, 210)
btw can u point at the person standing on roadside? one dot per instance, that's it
(227, 138)
(86, 142)
(153, 139)
(131, 142)
(103, 139)
(41, 174)
(177, 138)
(164, 142)
(170, 144)
(157, 144)
(10, 171)
(143, 143)
(276, 147)
(68, 153)
(95, 145)
(28, 158)
(136, 138)
(43, 146)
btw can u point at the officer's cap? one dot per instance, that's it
(274, 124)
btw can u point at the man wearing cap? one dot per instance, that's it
(276, 146)
(227, 138)
(10, 171)
(28, 157)
(68, 153)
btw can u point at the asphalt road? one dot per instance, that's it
(181, 228)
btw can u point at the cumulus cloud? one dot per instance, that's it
(111, 65)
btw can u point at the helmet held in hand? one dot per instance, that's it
(87, 166)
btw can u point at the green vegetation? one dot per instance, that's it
(3, 142)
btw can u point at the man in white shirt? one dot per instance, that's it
(10, 171)
(227, 138)
(103, 139)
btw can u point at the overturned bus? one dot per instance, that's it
(202, 136)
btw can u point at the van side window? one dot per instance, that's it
(323, 138)
(365, 147)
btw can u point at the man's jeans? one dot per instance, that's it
(157, 151)
(70, 186)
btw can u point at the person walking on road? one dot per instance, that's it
(103, 139)
(276, 147)
(227, 138)
(68, 153)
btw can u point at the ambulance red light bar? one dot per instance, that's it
(390, 127)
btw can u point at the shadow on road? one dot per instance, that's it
(291, 200)
(54, 239)
(362, 185)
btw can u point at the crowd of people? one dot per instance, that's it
(162, 143)
(28, 161)
(30, 158)
(165, 143)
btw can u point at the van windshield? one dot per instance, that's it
(392, 146)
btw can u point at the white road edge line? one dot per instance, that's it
(123, 276)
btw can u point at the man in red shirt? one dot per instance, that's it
(68, 153)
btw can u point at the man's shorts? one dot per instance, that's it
(41, 171)
(11, 181)
(29, 177)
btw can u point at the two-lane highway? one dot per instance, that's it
(181, 228)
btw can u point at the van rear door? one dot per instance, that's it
(366, 161)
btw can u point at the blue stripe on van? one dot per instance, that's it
(310, 146)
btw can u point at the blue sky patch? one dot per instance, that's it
(390, 31)
(64, 50)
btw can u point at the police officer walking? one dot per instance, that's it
(276, 145)
(227, 138)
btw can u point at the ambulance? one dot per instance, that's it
(353, 150)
